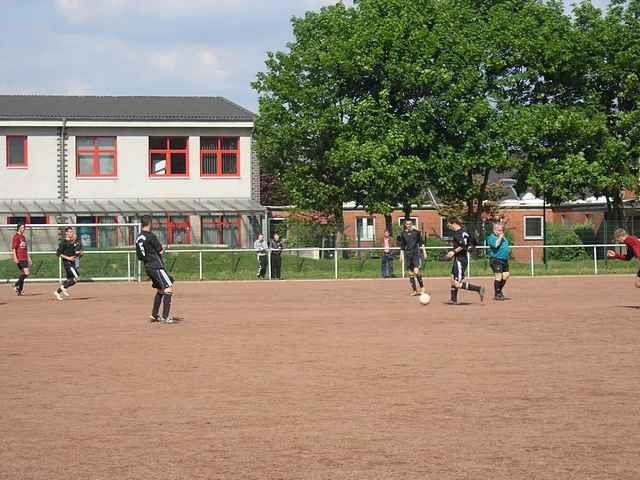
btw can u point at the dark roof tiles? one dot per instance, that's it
(132, 108)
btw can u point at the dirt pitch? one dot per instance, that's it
(322, 380)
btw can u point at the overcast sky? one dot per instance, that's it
(143, 47)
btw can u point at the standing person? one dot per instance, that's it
(499, 259)
(459, 256)
(70, 251)
(387, 256)
(149, 251)
(21, 257)
(276, 247)
(260, 246)
(633, 248)
(411, 246)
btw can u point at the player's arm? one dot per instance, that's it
(155, 243)
(618, 256)
(14, 249)
(62, 255)
(80, 251)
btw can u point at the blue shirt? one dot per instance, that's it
(502, 251)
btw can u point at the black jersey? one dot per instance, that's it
(148, 249)
(70, 248)
(461, 239)
(411, 240)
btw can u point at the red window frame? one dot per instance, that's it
(167, 151)
(98, 219)
(25, 163)
(218, 151)
(95, 151)
(170, 225)
(219, 222)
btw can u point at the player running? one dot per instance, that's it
(499, 259)
(70, 251)
(411, 246)
(459, 256)
(21, 257)
(633, 248)
(149, 251)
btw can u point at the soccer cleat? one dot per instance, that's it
(415, 293)
(481, 293)
(64, 291)
(498, 298)
(452, 302)
(154, 318)
(167, 320)
(58, 296)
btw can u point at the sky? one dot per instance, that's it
(144, 47)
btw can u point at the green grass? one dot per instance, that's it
(242, 266)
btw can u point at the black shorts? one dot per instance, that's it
(160, 279)
(498, 265)
(459, 268)
(71, 270)
(412, 260)
(638, 273)
(22, 264)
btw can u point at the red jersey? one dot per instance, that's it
(19, 245)
(633, 248)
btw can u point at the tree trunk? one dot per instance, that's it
(406, 208)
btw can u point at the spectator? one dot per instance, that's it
(276, 256)
(387, 256)
(260, 246)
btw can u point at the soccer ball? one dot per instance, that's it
(425, 298)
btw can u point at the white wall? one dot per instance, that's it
(40, 179)
(133, 180)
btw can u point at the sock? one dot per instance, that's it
(420, 282)
(20, 282)
(454, 294)
(502, 284)
(497, 286)
(470, 286)
(412, 280)
(166, 305)
(157, 300)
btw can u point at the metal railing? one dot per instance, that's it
(310, 263)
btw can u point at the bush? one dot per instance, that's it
(558, 234)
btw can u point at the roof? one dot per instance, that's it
(178, 206)
(54, 107)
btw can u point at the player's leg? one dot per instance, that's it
(505, 276)
(465, 285)
(167, 295)
(456, 277)
(418, 275)
(24, 273)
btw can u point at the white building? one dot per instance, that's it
(188, 161)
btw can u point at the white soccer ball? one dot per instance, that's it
(425, 298)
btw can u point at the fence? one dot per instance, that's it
(310, 263)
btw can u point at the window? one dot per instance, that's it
(168, 157)
(96, 157)
(17, 152)
(533, 228)
(98, 236)
(173, 230)
(219, 156)
(221, 230)
(445, 231)
(413, 219)
(365, 229)
(27, 219)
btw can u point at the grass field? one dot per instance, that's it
(242, 266)
(322, 380)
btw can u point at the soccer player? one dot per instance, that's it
(411, 246)
(633, 248)
(70, 251)
(499, 259)
(21, 257)
(459, 256)
(149, 251)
